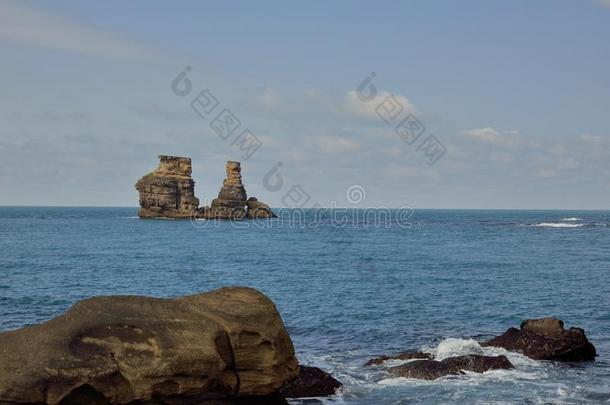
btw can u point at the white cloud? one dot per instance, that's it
(328, 144)
(492, 136)
(558, 149)
(401, 171)
(502, 157)
(35, 27)
(268, 100)
(591, 139)
(398, 105)
(546, 173)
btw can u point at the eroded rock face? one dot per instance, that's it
(546, 339)
(223, 345)
(432, 369)
(232, 201)
(399, 356)
(168, 191)
(311, 382)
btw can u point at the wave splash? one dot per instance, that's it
(525, 369)
(558, 225)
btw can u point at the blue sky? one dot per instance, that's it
(517, 92)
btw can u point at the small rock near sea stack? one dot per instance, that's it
(257, 209)
(399, 356)
(432, 369)
(311, 382)
(228, 345)
(546, 339)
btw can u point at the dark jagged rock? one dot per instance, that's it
(226, 346)
(432, 369)
(257, 209)
(546, 339)
(399, 356)
(168, 191)
(311, 382)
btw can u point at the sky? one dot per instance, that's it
(508, 103)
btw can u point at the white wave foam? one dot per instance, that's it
(571, 219)
(452, 347)
(557, 225)
(525, 368)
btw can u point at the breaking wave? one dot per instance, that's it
(557, 225)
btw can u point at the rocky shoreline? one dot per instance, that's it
(227, 346)
(169, 192)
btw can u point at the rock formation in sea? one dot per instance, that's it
(546, 339)
(432, 369)
(423, 366)
(257, 209)
(231, 200)
(311, 382)
(226, 344)
(168, 191)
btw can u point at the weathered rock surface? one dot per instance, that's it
(546, 339)
(168, 191)
(432, 369)
(232, 201)
(257, 209)
(399, 356)
(225, 346)
(311, 382)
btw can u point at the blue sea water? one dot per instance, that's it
(346, 294)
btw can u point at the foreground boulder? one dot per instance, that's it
(546, 339)
(168, 191)
(311, 382)
(432, 369)
(226, 345)
(399, 356)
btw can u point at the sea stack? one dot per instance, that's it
(233, 202)
(232, 196)
(168, 191)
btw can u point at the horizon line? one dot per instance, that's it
(309, 208)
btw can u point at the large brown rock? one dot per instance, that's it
(223, 345)
(546, 339)
(432, 369)
(168, 191)
(311, 382)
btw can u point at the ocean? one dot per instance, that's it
(442, 282)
